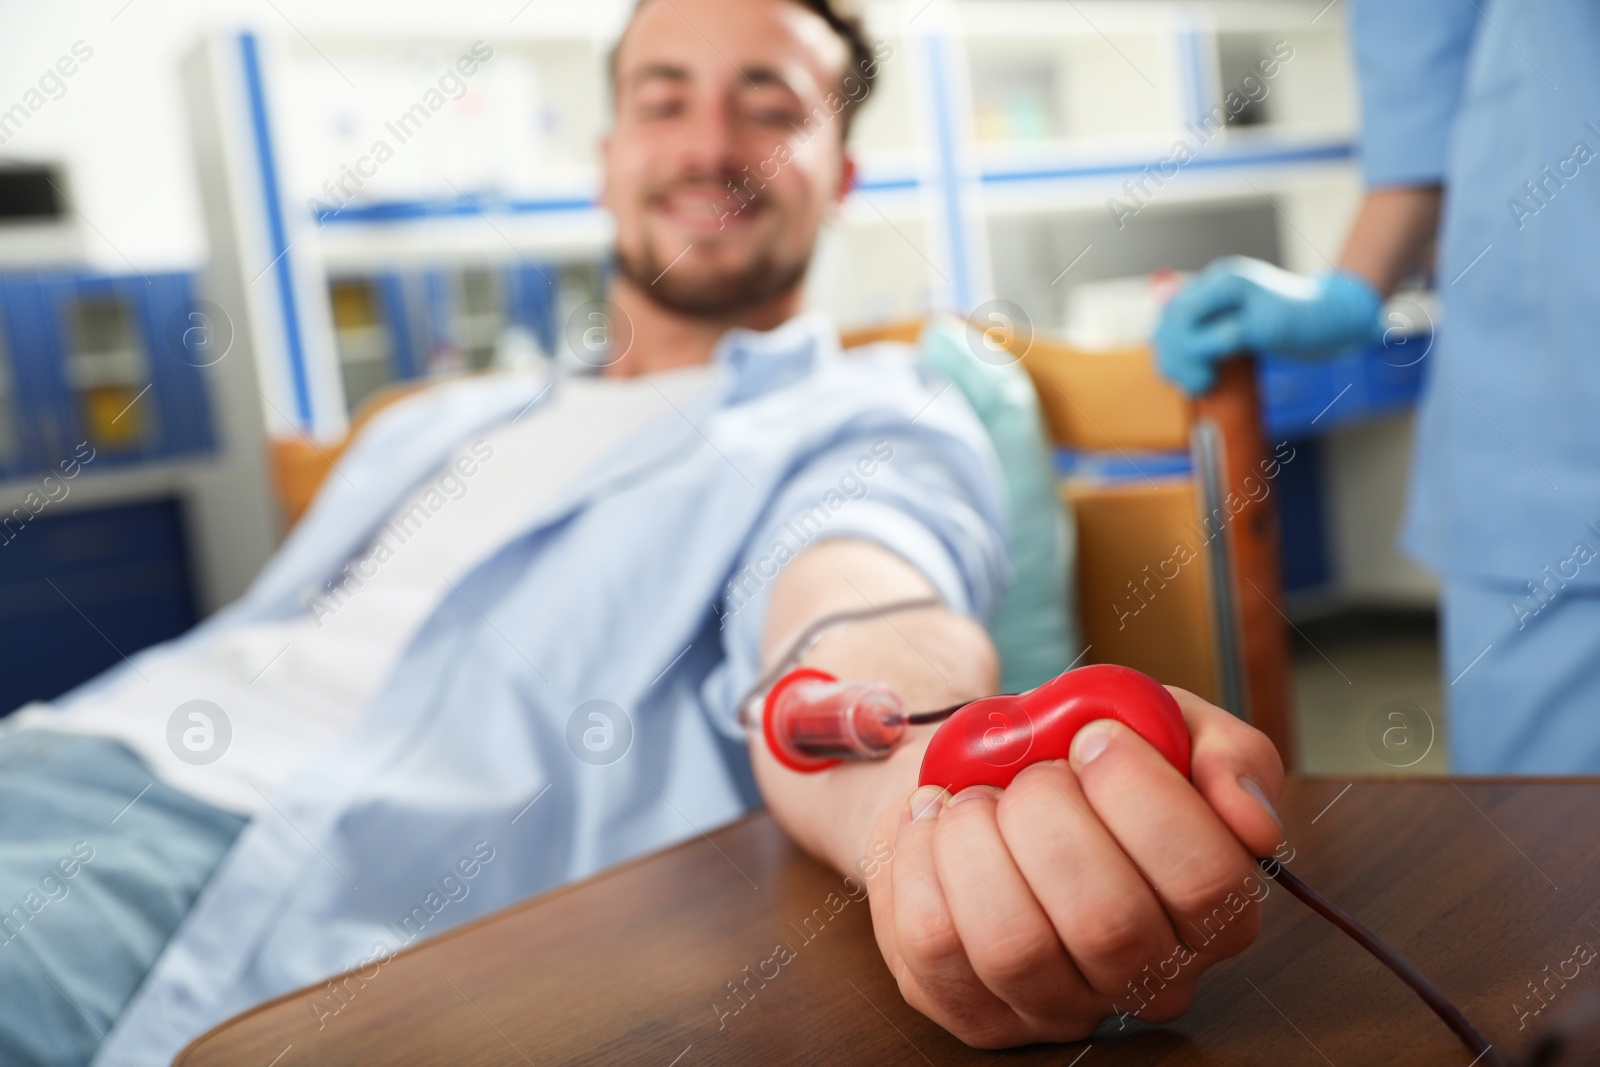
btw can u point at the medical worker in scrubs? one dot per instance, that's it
(1481, 129)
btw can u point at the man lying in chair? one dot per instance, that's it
(505, 647)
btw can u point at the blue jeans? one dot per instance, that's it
(99, 861)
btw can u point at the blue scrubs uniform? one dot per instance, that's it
(1500, 101)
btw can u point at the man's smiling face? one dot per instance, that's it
(725, 158)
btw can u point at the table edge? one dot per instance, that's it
(761, 812)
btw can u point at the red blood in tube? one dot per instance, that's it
(989, 741)
(811, 720)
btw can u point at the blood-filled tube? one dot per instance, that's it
(812, 720)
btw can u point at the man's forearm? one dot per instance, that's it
(932, 657)
(1392, 234)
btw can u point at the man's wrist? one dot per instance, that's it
(877, 787)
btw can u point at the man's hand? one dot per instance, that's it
(1099, 886)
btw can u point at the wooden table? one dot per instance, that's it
(1483, 884)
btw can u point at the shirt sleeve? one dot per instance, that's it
(1411, 60)
(932, 498)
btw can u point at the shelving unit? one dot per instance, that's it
(10, 437)
(1000, 134)
(98, 359)
(125, 565)
(106, 370)
(403, 324)
(366, 347)
(106, 435)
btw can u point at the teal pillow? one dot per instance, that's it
(1034, 627)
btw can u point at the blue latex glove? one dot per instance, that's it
(1239, 304)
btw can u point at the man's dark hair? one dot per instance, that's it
(858, 77)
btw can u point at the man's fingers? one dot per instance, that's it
(1100, 905)
(1237, 769)
(1093, 886)
(1010, 941)
(942, 984)
(1191, 857)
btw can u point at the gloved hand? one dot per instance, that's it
(1239, 304)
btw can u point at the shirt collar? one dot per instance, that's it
(760, 361)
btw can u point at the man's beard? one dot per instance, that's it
(722, 296)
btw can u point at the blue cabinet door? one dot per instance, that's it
(81, 590)
(43, 323)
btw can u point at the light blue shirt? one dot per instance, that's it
(1499, 100)
(619, 592)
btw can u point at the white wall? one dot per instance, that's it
(1368, 471)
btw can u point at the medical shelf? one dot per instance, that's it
(101, 359)
(442, 320)
(121, 583)
(1304, 562)
(1301, 398)
(1108, 468)
(10, 407)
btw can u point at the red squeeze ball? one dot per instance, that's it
(990, 740)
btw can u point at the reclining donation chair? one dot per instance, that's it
(1175, 568)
